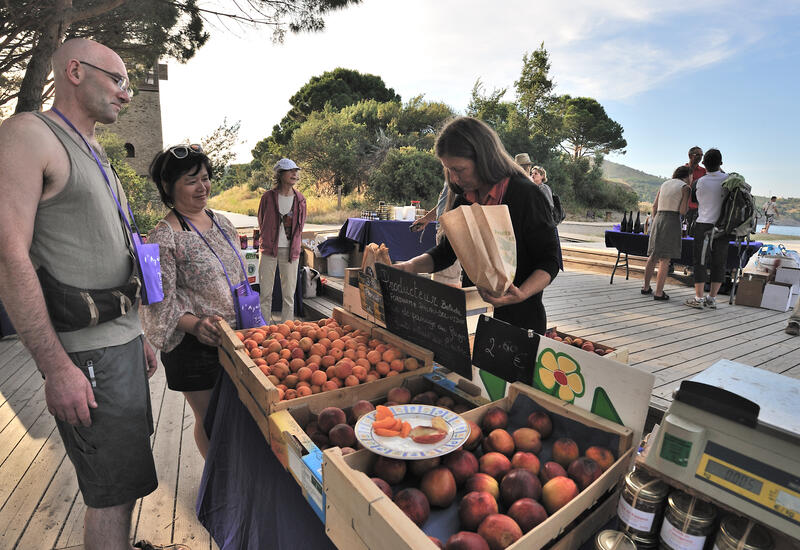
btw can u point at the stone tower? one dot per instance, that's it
(139, 126)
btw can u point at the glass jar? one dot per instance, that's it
(644, 542)
(732, 530)
(613, 540)
(687, 522)
(641, 504)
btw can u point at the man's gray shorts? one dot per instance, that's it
(113, 457)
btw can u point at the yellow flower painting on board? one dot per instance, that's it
(558, 374)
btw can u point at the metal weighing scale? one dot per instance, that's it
(733, 433)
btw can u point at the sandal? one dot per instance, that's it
(664, 296)
(648, 291)
(147, 545)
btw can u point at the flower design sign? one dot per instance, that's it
(559, 374)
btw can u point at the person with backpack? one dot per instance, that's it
(710, 196)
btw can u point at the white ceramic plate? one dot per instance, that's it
(406, 448)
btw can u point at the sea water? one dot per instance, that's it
(780, 230)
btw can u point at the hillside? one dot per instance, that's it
(646, 185)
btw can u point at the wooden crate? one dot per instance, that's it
(351, 301)
(303, 459)
(378, 522)
(618, 354)
(249, 378)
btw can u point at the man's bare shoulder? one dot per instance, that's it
(19, 131)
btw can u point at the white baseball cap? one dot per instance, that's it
(285, 164)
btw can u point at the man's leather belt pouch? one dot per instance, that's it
(71, 308)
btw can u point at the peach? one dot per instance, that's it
(475, 436)
(500, 441)
(527, 439)
(550, 470)
(558, 492)
(436, 542)
(383, 486)
(474, 508)
(565, 450)
(526, 461)
(500, 531)
(414, 504)
(411, 363)
(483, 482)
(391, 470)
(466, 540)
(439, 486)
(320, 440)
(400, 396)
(425, 398)
(601, 455)
(461, 408)
(527, 513)
(494, 418)
(463, 464)
(495, 464)
(420, 467)
(584, 471)
(342, 435)
(445, 402)
(330, 417)
(518, 484)
(359, 409)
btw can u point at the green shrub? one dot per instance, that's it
(406, 174)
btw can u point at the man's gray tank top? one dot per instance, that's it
(78, 237)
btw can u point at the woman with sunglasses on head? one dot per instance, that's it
(281, 217)
(195, 245)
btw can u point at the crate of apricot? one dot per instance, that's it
(285, 362)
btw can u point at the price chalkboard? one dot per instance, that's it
(505, 350)
(428, 313)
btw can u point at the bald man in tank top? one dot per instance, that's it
(59, 217)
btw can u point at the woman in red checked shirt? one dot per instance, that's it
(476, 162)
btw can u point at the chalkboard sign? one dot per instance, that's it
(371, 297)
(505, 350)
(428, 313)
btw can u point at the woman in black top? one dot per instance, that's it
(476, 163)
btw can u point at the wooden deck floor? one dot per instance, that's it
(40, 505)
(41, 508)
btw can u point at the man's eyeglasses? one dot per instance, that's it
(183, 151)
(122, 82)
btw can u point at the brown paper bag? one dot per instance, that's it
(483, 239)
(374, 254)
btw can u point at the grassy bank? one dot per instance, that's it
(320, 209)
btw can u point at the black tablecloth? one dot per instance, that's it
(635, 244)
(403, 244)
(246, 499)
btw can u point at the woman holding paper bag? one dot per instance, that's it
(475, 161)
(196, 291)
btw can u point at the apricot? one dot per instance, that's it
(500, 531)
(351, 381)
(305, 344)
(360, 373)
(344, 369)
(298, 353)
(565, 450)
(383, 368)
(328, 361)
(304, 374)
(303, 391)
(330, 385)
(291, 380)
(396, 365)
(474, 508)
(296, 364)
(290, 394)
(557, 492)
(373, 357)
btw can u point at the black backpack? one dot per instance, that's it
(738, 216)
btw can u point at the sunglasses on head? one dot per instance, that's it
(183, 151)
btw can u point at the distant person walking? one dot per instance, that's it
(709, 199)
(770, 211)
(665, 235)
(793, 327)
(695, 156)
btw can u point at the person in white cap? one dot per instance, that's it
(281, 217)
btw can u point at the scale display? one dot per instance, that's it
(762, 484)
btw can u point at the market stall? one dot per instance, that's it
(404, 244)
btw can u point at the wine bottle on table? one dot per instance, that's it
(630, 222)
(623, 226)
(637, 227)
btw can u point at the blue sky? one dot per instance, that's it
(715, 74)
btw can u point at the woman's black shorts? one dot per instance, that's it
(191, 366)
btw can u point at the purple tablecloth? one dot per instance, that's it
(403, 244)
(635, 244)
(246, 499)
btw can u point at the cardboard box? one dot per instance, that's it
(361, 507)
(618, 354)
(789, 275)
(749, 291)
(777, 296)
(312, 260)
(261, 397)
(303, 459)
